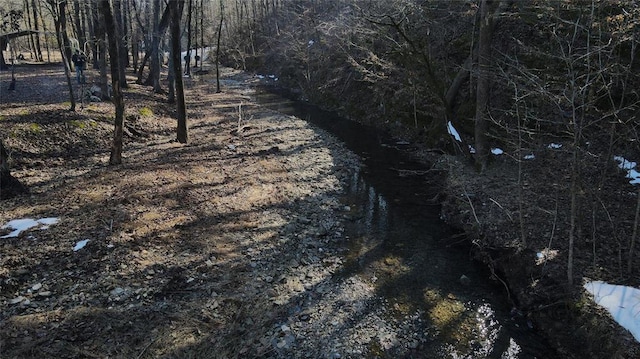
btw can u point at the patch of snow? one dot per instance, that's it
(261, 77)
(622, 302)
(555, 146)
(202, 52)
(624, 164)
(80, 245)
(452, 131)
(21, 225)
(472, 150)
(310, 43)
(630, 167)
(497, 151)
(48, 222)
(530, 156)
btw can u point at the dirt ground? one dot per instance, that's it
(227, 247)
(193, 250)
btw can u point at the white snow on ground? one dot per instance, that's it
(201, 52)
(630, 168)
(80, 245)
(530, 156)
(24, 224)
(497, 151)
(272, 77)
(621, 301)
(555, 146)
(453, 132)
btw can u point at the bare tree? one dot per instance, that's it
(123, 57)
(117, 98)
(219, 35)
(176, 8)
(187, 63)
(59, 12)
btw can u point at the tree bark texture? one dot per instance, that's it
(118, 101)
(65, 49)
(123, 57)
(181, 113)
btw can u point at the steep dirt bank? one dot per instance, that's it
(496, 215)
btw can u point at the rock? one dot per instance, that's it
(93, 98)
(44, 293)
(116, 292)
(464, 280)
(36, 287)
(17, 300)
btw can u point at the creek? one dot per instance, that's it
(399, 242)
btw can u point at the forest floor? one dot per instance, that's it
(227, 247)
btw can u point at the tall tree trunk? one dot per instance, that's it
(101, 48)
(36, 27)
(133, 35)
(483, 85)
(60, 22)
(118, 101)
(27, 21)
(218, 47)
(78, 21)
(187, 63)
(202, 33)
(159, 27)
(93, 20)
(46, 33)
(123, 57)
(196, 36)
(176, 14)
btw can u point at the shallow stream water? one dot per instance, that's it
(399, 242)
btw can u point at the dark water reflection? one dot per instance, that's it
(396, 221)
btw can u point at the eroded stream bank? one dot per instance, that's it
(399, 244)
